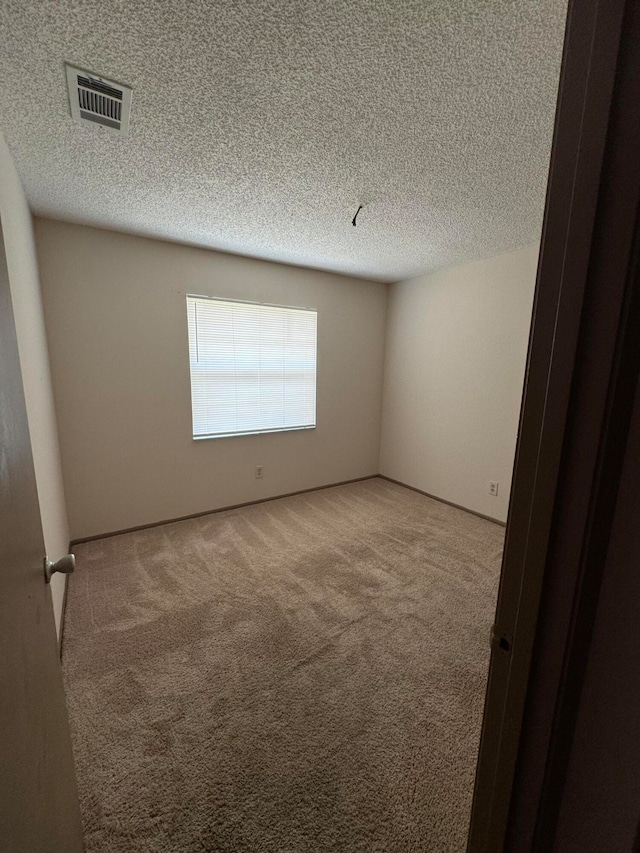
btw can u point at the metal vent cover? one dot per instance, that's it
(96, 100)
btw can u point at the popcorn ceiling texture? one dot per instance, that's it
(259, 126)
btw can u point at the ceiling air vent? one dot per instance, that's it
(98, 101)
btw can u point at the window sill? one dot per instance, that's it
(251, 432)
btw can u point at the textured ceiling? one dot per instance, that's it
(259, 126)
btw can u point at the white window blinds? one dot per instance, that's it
(253, 367)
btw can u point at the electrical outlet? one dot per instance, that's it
(259, 472)
(493, 488)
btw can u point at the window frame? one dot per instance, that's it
(268, 430)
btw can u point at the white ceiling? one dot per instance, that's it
(259, 126)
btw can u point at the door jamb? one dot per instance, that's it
(586, 93)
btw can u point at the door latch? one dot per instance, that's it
(499, 641)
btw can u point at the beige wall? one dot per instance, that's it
(456, 348)
(116, 318)
(115, 309)
(34, 362)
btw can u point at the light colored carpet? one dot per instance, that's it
(302, 675)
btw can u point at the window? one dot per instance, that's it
(253, 367)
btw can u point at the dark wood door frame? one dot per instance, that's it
(582, 370)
